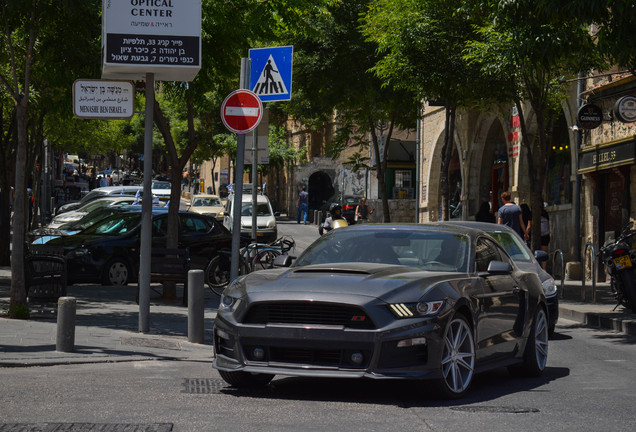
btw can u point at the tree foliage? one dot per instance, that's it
(333, 74)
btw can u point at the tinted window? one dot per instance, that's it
(485, 252)
(191, 224)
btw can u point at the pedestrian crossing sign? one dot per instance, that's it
(271, 73)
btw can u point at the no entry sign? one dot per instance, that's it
(241, 111)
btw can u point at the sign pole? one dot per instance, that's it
(254, 182)
(146, 211)
(238, 181)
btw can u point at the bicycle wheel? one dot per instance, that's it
(218, 273)
(264, 259)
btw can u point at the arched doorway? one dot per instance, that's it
(494, 168)
(320, 189)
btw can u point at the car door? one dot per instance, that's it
(201, 236)
(499, 303)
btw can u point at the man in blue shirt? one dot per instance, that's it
(303, 204)
(510, 214)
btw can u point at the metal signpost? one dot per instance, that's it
(241, 112)
(148, 41)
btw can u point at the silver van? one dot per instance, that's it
(266, 230)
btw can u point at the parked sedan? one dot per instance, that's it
(206, 204)
(525, 260)
(385, 301)
(107, 252)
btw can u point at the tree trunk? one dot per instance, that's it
(18, 288)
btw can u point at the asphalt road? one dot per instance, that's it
(588, 386)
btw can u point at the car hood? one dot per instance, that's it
(328, 281)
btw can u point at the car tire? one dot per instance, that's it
(245, 379)
(458, 359)
(116, 272)
(535, 356)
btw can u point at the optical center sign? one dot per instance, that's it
(151, 36)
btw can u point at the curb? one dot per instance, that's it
(611, 320)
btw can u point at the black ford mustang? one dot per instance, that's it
(386, 301)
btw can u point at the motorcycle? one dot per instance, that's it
(620, 263)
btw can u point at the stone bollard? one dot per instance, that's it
(196, 307)
(65, 341)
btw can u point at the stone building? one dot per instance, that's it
(488, 159)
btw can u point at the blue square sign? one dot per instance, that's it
(271, 73)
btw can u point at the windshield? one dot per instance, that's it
(262, 209)
(206, 202)
(115, 225)
(88, 220)
(513, 244)
(162, 185)
(434, 250)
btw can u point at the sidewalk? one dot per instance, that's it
(106, 329)
(107, 326)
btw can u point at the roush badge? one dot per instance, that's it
(589, 116)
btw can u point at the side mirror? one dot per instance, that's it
(540, 255)
(283, 261)
(499, 267)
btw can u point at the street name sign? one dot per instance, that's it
(271, 73)
(151, 36)
(241, 111)
(95, 99)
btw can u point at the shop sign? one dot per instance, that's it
(625, 109)
(589, 116)
(608, 156)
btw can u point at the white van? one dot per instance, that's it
(266, 230)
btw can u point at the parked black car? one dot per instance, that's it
(107, 252)
(385, 301)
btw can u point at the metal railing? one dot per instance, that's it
(589, 248)
(559, 252)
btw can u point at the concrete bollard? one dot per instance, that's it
(65, 341)
(196, 307)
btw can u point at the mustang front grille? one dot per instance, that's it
(309, 313)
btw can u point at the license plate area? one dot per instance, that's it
(622, 262)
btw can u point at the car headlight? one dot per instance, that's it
(549, 287)
(229, 303)
(410, 310)
(271, 224)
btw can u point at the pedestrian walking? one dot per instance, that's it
(303, 204)
(510, 214)
(363, 212)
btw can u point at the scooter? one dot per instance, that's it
(620, 263)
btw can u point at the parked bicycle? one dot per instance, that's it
(253, 257)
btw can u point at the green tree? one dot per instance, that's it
(613, 21)
(423, 42)
(30, 42)
(332, 74)
(535, 49)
